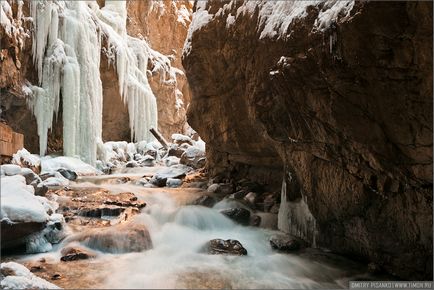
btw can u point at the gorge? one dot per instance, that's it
(298, 155)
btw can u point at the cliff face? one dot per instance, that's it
(149, 20)
(164, 25)
(338, 97)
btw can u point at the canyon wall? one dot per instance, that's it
(163, 24)
(337, 97)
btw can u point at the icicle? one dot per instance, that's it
(66, 51)
(295, 218)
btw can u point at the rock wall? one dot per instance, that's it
(340, 95)
(163, 24)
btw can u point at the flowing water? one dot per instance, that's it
(177, 259)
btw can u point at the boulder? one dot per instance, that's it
(285, 243)
(101, 211)
(181, 139)
(225, 247)
(171, 160)
(193, 157)
(121, 238)
(174, 182)
(175, 151)
(221, 188)
(239, 215)
(160, 178)
(205, 200)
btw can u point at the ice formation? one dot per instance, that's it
(295, 218)
(67, 42)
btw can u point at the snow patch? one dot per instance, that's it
(18, 202)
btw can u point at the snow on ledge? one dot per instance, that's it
(274, 18)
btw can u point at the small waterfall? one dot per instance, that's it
(295, 217)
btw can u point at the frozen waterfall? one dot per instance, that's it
(67, 44)
(295, 218)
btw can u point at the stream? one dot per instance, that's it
(177, 260)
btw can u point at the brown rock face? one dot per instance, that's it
(164, 24)
(347, 110)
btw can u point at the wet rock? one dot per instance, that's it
(68, 174)
(158, 181)
(101, 211)
(56, 276)
(255, 220)
(205, 200)
(225, 247)
(193, 157)
(121, 238)
(173, 182)
(239, 194)
(45, 176)
(285, 243)
(175, 151)
(239, 215)
(221, 188)
(13, 235)
(251, 198)
(75, 253)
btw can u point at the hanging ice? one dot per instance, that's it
(295, 218)
(66, 51)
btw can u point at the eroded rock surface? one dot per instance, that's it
(346, 108)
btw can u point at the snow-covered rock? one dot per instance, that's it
(10, 169)
(179, 139)
(193, 157)
(50, 164)
(18, 202)
(24, 158)
(19, 277)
